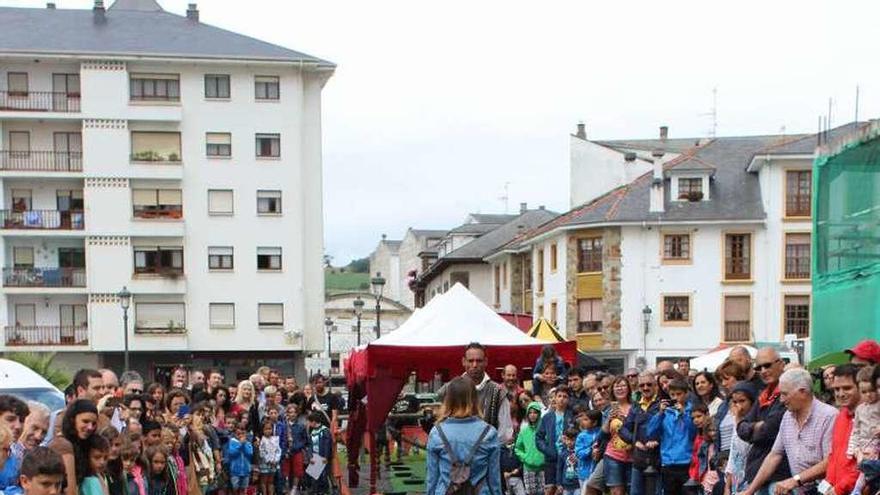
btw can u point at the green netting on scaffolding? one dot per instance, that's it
(846, 277)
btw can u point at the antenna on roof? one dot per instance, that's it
(713, 113)
(505, 198)
(828, 119)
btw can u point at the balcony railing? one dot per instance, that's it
(39, 101)
(42, 220)
(41, 161)
(737, 331)
(46, 335)
(156, 157)
(44, 277)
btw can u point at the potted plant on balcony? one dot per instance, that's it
(694, 196)
(173, 157)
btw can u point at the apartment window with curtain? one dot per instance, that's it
(797, 256)
(217, 86)
(218, 144)
(221, 258)
(22, 199)
(269, 202)
(158, 260)
(268, 145)
(270, 315)
(590, 315)
(540, 267)
(157, 203)
(22, 257)
(17, 83)
(160, 317)
(267, 88)
(269, 258)
(690, 188)
(155, 87)
(221, 315)
(220, 202)
(798, 193)
(797, 316)
(589, 255)
(737, 318)
(676, 247)
(676, 309)
(149, 146)
(738, 256)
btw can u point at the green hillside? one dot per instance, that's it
(336, 281)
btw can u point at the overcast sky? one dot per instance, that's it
(436, 105)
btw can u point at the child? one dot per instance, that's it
(294, 438)
(42, 472)
(511, 471)
(527, 452)
(321, 443)
(133, 469)
(567, 464)
(708, 456)
(9, 464)
(676, 432)
(239, 452)
(867, 418)
(700, 455)
(742, 397)
(587, 440)
(94, 480)
(549, 380)
(159, 482)
(114, 473)
(175, 466)
(549, 436)
(270, 456)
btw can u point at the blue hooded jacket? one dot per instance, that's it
(676, 431)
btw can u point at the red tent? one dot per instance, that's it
(431, 342)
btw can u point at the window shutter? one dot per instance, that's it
(143, 197)
(219, 138)
(271, 314)
(222, 314)
(800, 238)
(737, 308)
(220, 251)
(23, 256)
(160, 315)
(170, 197)
(17, 82)
(220, 201)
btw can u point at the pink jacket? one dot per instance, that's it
(137, 475)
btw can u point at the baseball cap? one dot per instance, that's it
(869, 350)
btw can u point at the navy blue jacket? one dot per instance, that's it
(545, 437)
(635, 428)
(299, 437)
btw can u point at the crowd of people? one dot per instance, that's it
(755, 426)
(199, 436)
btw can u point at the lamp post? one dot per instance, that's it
(378, 284)
(328, 324)
(125, 302)
(646, 319)
(358, 311)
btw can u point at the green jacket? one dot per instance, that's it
(525, 448)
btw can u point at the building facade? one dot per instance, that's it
(186, 168)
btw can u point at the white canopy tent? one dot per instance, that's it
(712, 360)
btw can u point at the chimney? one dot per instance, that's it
(523, 207)
(50, 5)
(192, 12)
(582, 131)
(541, 207)
(664, 132)
(657, 200)
(384, 236)
(99, 11)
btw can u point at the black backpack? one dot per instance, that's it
(460, 474)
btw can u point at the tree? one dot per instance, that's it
(361, 265)
(42, 364)
(328, 261)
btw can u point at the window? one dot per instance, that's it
(590, 255)
(269, 202)
(220, 202)
(158, 260)
(737, 256)
(17, 83)
(737, 318)
(554, 308)
(690, 189)
(540, 267)
(19, 143)
(798, 192)
(23, 257)
(155, 87)
(220, 258)
(216, 86)
(218, 144)
(160, 317)
(462, 278)
(267, 88)
(590, 314)
(21, 200)
(797, 316)
(66, 84)
(270, 315)
(797, 256)
(157, 203)
(676, 309)
(25, 315)
(71, 257)
(554, 257)
(676, 247)
(497, 285)
(69, 200)
(269, 145)
(155, 146)
(73, 315)
(527, 272)
(221, 315)
(269, 258)
(67, 151)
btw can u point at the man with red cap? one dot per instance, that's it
(866, 352)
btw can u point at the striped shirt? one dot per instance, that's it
(807, 445)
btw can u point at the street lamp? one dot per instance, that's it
(358, 311)
(646, 319)
(378, 284)
(125, 302)
(328, 324)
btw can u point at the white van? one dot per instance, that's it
(19, 380)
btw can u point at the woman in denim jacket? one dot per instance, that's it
(461, 425)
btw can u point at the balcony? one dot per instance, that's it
(41, 161)
(26, 336)
(737, 331)
(42, 220)
(155, 157)
(33, 277)
(39, 101)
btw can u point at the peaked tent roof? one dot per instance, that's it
(132, 28)
(455, 318)
(544, 330)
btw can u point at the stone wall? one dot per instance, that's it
(611, 287)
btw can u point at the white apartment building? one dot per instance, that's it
(147, 150)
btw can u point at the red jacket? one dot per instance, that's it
(842, 471)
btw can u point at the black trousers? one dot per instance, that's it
(674, 478)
